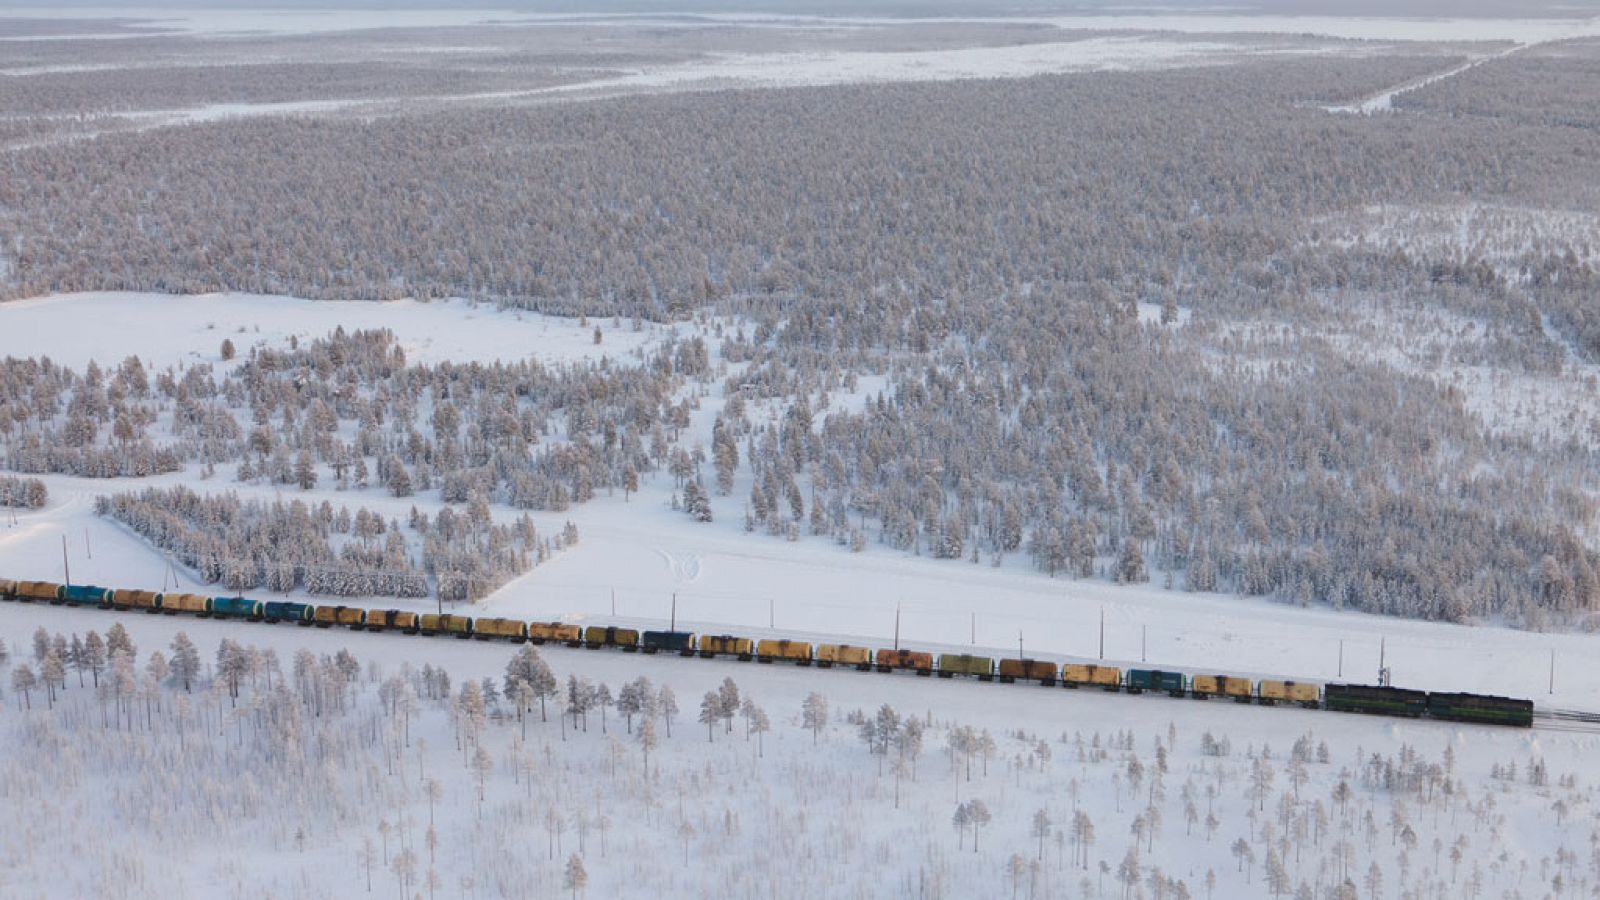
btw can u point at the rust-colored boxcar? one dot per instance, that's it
(172, 604)
(1303, 693)
(33, 591)
(149, 601)
(1038, 670)
(916, 660)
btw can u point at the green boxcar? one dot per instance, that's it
(1140, 680)
(236, 607)
(1382, 701)
(679, 642)
(952, 664)
(88, 595)
(1481, 708)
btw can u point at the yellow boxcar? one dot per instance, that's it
(726, 645)
(798, 651)
(611, 636)
(433, 623)
(511, 629)
(1221, 686)
(844, 655)
(172, 604)
(539, 632)
(391, 619)
(30, 591)
(1303, 693)
(1028, 670)
(953, 664)
(1076, 675)
(148, 601)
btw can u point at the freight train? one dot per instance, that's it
(1370, 699)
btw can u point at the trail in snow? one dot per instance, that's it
(1384, 102)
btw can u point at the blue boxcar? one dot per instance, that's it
(87, 595)
(670, 641)
(1155, 680)
(235, 606)
(280, 611)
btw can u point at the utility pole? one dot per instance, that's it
(1020, 654)
(897, 626)
(66, 570)
(86, 546)
(1552, 670)
(1102, 632)
(1341, 657)
(672, 624)
(974, 629)
(771, 617)
(1144, 634)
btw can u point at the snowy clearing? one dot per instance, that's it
(172, 329)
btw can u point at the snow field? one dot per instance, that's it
(165, 330)
(286, 802)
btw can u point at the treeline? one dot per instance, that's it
(252, 545)
(525, 434)
(27, 493)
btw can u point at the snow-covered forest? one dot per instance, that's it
(500, 772)
(1263, 346)
(1179, 347)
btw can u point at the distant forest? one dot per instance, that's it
(988, 252)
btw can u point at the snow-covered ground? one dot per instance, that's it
(282, 803)
(635, 555)
(169, 329)
(217, 22)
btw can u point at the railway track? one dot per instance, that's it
(1469, 708)
(1569, 720)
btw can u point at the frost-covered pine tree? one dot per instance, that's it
(814, 714)
(185, 661)
(574, 878)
